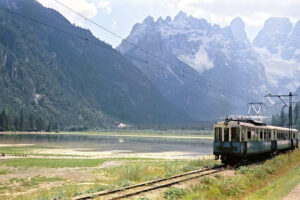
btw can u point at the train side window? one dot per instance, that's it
(235, 134)
(218, 134)
(267, 135)
(261, 134)
(226, 134)
(249, 134)
(256, 136)
(285, 136)
(244, 136)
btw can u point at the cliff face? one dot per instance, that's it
(209, 71)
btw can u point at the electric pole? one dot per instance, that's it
(290, 96)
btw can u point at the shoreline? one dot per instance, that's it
(112, 134)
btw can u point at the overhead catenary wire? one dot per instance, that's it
(84, 38)
(211, 85)
(132, 6)
(135, 45)
(188, 19)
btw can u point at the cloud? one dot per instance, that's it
(105, 6)
(253, 12)
(114, 25)
(84, 7)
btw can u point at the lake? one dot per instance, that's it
(130, 144)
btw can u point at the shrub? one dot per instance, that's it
(173, 193)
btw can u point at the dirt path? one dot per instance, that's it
(294, 194)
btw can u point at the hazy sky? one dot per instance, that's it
(119, 16)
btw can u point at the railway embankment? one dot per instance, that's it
(272, 179)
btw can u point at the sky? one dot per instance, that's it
(119, 16)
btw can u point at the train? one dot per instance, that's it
(238, 140)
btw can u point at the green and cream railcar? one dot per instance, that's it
(236, 140)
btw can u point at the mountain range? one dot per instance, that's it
(178, 71)
(211, 71)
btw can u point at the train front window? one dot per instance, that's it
(235, 134)
(226, 134)
(218, 134)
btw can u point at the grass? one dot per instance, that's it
(278, 188)
(135, 172)
(173, 193)
(4, 171)
(51, 163)
(34, 181)
(24, 184)
(132, 172)
(249, 179)
(65, 191)
(25, 151)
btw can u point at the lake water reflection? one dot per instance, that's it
(195, 146)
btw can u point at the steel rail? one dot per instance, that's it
(105, 193)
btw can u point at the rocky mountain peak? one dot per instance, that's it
(181, 16)
(296, 29)
(273, 34)
(149, 20)
(237, 27)
(168, 19)
(278, 24)
(202, 51)
(160, 20)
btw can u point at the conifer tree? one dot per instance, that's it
(296, 113)
(282, 118)
(22, 121)
(31, 122)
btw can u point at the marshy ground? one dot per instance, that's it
(38, 171)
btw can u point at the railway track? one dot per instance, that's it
(150, 186)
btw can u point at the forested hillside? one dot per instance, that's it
(67, 82)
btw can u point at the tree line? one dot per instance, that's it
(282, 119)
(22, 121)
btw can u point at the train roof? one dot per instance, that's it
(253, 125)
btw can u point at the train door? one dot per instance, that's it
(274, 135)
(249, 133)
